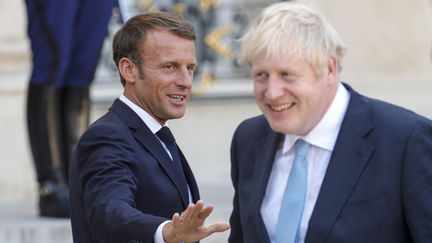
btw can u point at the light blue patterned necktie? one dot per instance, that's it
(294, 197)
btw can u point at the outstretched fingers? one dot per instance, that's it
(205, 212)
(193, 214)
(189, 225)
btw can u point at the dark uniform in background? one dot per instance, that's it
(66, 40)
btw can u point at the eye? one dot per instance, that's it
(191, 68)
(169, 67)
(288, 77)
(260, 77)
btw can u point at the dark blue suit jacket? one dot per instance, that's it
(377, 188)
(122, 182)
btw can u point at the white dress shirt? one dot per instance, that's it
(322, 139)
(154, 127)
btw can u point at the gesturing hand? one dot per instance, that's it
(189, 226)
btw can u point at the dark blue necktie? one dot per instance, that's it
(168, 139)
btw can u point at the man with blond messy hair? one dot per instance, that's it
(323, 163)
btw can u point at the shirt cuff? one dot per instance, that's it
(158, 236)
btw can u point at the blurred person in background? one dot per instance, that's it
(323, 163)
(66, 39)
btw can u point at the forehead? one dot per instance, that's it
(279, 62)
(163, 42)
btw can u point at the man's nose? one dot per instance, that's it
(185, 77)
(274, 88)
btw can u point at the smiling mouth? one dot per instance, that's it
(281, 107)
(177, 98)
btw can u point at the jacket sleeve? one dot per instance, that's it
(417, 182)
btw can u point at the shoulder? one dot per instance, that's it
(394, 116)
(251, 130)
(110, 124)
(387, 121)
(258, 125)
(107, 141)
(109, 133)
(256, 122)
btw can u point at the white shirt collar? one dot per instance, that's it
(151, 123)
(325, 133)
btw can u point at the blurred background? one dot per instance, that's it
(389, 57)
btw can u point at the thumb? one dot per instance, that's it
(218, 227)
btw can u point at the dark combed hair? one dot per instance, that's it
(128, 38)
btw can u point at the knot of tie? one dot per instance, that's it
(165, 135)
(302, 148)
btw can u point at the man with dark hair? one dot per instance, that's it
(129, 180)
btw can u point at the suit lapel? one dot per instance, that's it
(149, 141)
(265, 150)
(152, 144)
(349, 158)
(189, 177)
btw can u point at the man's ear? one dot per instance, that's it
(332, 69)
(128, 70)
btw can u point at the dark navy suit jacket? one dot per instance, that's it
(122, 182)
(377, 187)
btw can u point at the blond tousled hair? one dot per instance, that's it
(289, 28)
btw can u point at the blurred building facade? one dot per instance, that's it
(389, 42)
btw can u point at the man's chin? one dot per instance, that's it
(281, 127)
(176, 115)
